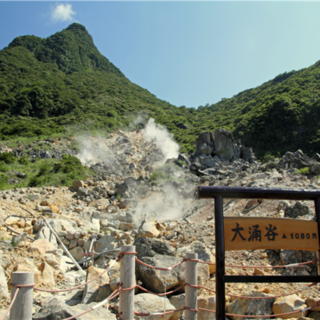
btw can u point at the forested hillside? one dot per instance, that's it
(63, 82)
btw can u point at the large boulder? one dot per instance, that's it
(148, 229)
(247, 154)
(315, 168)
(289, 304)
(160, 281)
(211, 162)
(149, 303)
(105, 243)
(225, 147)
(311, 302)
(56, 309)
(128, 187)
(298, 210)
(244, 306)
(149, 247)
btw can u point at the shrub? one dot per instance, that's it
(7, 157)
(23, 160)
(303, 171)
(3, 167)
(157, 175)
(44, 168)
(3, 179)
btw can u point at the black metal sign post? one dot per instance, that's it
(218, 193)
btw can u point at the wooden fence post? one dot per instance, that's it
(22, 306)
(191, 292)
(128, 279)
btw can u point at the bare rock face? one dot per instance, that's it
(251, 306)
(289, 304)
(214, 149)
(160, 281)
(225, 147)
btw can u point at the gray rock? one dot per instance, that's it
(251, 306)
(82, 192)
(247, 154)
(211, 162)
(314, 168)
(204, 149)
(184, 158)
(161, 281)
(290, 256)
(149, 303)
(225, 148)
(21, 175)
(56, 309)
(105, 243)
(298, 210)
(149, 247)
(45, 233)
(38, 225)
(316, 157)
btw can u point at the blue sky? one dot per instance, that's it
(187, 53)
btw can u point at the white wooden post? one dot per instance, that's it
(22, 306)
(191, 292)
(127, 278)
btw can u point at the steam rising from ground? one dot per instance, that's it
(93, 150)
(158, 134)
(160, 207)
(164, 204)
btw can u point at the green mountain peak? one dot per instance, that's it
(71, 50)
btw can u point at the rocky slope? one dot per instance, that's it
(142, 197)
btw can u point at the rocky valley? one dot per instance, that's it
(144, 192)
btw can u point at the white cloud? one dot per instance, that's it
(62, 12)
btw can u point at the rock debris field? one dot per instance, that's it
(141, 197)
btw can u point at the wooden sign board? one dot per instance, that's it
(270, 233)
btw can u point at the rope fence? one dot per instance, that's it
(126, 288)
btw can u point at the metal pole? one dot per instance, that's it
(220, 264)
(64, 247)
(22, 306)
(317, 210)
(127, 278)
(191, 292)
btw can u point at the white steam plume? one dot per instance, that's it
(93, 150)
(160, 207)
(154, 132)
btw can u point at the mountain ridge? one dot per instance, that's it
(63, 81)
